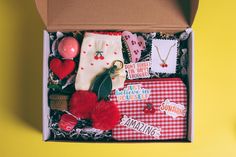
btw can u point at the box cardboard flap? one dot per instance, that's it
(121, 14)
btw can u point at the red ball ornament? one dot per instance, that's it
(105, 116)
(68, 47)
(67, 122)
(82, 104)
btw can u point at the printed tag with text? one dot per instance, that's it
(132, 93)
(141, 127)
(173, 109)
(138, 70)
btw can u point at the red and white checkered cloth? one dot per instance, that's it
(161, 89)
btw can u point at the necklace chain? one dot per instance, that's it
(167, 56)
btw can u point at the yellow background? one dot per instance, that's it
(21, 82)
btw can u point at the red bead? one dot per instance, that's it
(101, 57)
(96, 57)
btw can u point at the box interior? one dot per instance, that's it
(46, 109)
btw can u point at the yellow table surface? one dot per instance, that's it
(21, 82)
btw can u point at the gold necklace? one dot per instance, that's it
(164, 64)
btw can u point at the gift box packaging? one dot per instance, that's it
(132, 15)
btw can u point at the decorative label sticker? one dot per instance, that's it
(141, 127)
(172, 109)
(132, 92)
(138, 70)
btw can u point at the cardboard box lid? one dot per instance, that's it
(117, 14)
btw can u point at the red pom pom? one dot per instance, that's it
(67, 122)
(82, 104)
(105, 116)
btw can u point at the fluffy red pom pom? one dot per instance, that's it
(67, 122)
(82, 104)
(105, 116)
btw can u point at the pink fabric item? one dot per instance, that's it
(135, 45)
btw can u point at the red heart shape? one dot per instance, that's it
(62, 68)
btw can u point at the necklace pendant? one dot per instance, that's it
(164, 65)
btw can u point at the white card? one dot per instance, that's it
(164, 56)
(138, 70)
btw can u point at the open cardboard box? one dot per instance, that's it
(132, 15)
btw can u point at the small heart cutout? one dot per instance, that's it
(62, 68)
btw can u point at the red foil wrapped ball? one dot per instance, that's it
(105, 116)
(82, 104)
(67, 122)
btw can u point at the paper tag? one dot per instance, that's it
(173, 109)
(132, 93)
(138, 70)
(141, 127)
(164, 56)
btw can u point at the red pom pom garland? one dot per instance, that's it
(105, 116)
(82, 104)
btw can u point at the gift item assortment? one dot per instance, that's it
(118, 86)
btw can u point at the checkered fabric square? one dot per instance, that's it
(161, 89)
